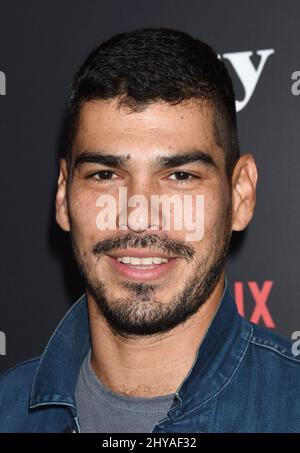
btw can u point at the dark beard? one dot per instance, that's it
(141, 314)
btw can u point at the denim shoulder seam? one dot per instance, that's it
(273, 348)
(22, 364)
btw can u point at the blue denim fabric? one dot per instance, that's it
(244, 379)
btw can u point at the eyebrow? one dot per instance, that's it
(101, 159)
(184, 158)
(159, 162)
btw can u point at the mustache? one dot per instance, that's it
(159, 243)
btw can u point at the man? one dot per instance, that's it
(155, 344)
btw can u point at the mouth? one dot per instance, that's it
(141, 265)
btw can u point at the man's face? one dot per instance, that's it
(163, 150)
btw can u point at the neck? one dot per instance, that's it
(148, 366)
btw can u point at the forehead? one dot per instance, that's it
(160, 126)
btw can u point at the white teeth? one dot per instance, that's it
(124, 259)
(157, 260)
(147, 260)
(133, 260)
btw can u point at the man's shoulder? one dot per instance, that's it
(18, 377)
(16, 415)
(273, 348)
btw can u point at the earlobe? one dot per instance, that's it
(61, 203)
(244, 180)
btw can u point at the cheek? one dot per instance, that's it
(215, 210)
(83, 213)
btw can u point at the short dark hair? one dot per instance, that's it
(144, 66)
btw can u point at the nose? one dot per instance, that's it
(136, 210)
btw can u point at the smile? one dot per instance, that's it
(141, 263)
(142, 267)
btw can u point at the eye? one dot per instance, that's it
(182, 176)
(103, 175)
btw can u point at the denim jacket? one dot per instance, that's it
(244, 379)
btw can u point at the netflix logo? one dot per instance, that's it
(255, 298)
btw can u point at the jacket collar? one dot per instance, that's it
(56, 375)
(217, 358)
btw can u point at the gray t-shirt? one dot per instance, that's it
(101, 410)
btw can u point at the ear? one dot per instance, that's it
(61, 204)
(244, 180)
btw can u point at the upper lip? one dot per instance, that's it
(139, 253)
